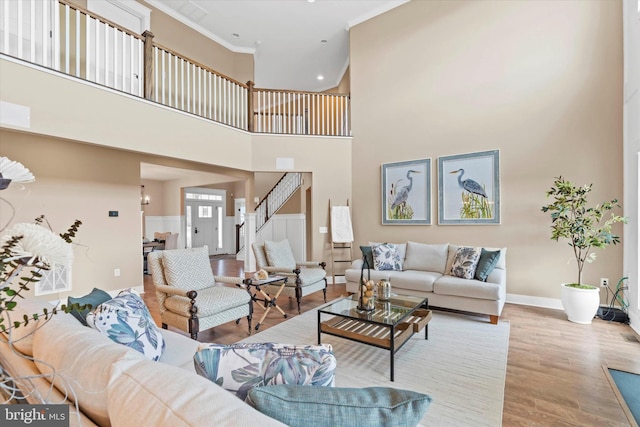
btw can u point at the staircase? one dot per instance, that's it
(271, 204)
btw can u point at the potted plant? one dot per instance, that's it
(585, 228)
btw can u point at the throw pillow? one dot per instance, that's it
(312, 406)
(188, 268)
(279, 254)
(400, 247)
(426, 257)
(367, 254)
(240, 367)
(126, 320)
(386, 257)
(486, 264)
(91, 301)
(465, 262)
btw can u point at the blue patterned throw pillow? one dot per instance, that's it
(386, 257)
(126, 320)
(465, 262)
(240, 367)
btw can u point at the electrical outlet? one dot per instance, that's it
(604, 282)
(116, 272)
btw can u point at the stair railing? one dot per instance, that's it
(271, 203)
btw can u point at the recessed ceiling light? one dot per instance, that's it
(320, 77)
(235, 35)
(311, 1)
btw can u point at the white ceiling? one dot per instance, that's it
(285, 36)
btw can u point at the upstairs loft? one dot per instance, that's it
(66, 38)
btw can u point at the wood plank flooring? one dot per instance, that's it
(554, 367)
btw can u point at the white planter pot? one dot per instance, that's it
(581, 305)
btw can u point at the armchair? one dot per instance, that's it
(188, 297)
(304, 278)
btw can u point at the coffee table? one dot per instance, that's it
(388, 326)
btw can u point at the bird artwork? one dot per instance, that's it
(469, 185)
(475, 202)
(398, 197)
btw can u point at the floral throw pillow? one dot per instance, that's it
(241, 367)
(465, 262)
(126, 320)
(386, 257)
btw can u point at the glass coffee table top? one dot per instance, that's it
(389, 312)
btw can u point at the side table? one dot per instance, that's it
(267, 300)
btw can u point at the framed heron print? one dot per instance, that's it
(406, 192)
(469, 188)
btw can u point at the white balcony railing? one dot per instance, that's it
(69, 39)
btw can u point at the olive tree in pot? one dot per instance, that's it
(586, 228)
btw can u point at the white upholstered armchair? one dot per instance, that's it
(190, 297)
(304, 278)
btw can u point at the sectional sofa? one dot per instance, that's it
(104, 377)
(428, 270)
(105, 383)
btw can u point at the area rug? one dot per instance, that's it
(462, 365)
(626, 385)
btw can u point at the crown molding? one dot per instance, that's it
(162, 7)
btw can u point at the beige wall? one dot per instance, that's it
(79, 181)
(180, 38)
(541, 81)
(329, 162)
(153, 134)
(345, 83)
(632, 157)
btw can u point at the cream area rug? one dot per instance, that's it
(462, 365)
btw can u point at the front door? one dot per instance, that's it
(204, 215)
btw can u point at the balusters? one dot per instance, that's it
(86, 46)
(55, 48)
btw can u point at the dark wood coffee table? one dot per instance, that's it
(388, 326)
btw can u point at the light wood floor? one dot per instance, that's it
(554, 368)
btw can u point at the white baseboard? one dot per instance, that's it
(534, 301)
(339, 279)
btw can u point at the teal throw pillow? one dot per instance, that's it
(367, 255)
(90, 301)
(486, 264)
(303, 406)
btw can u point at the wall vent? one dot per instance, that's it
(58, 279)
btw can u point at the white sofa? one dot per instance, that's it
(114, 384)
(426, 271)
